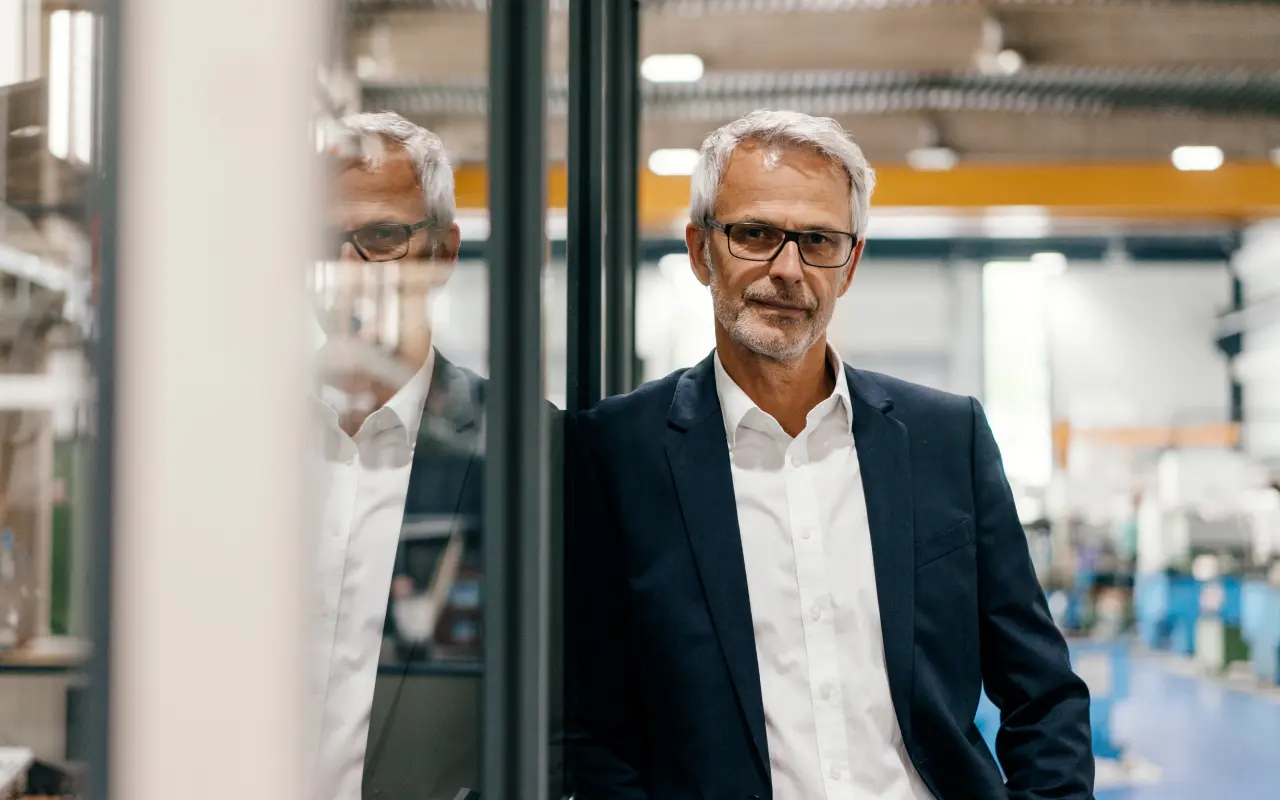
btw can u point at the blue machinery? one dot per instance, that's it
(1105, 667)
(1169, 607)
(1260, 626)
(1168, 610)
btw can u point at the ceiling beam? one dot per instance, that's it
(1234, 193)
(1079, 91)
(442, 45)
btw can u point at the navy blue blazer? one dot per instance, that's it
(664, 698)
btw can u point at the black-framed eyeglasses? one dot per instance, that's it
(754, 241)
(382, 241)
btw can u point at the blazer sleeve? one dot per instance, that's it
(605, 724)
(1044, 744)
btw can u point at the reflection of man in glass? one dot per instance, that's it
(400, 477)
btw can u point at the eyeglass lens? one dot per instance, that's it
(763, 242)
(382, 242)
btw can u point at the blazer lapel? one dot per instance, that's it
(698, 454)
(451, 401)
(450, 437)
(444, 481)
(884, 458)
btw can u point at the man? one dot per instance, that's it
(790, 578)
(401, 477)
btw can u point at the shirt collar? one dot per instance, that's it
(409, 401)
(406, 404)
(736, 405)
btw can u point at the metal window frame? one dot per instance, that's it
(584, 254)
(522, 550)
(516, 548)
(584, 242)
(622, 124)
(105, 208)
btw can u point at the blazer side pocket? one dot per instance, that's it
(937, 545)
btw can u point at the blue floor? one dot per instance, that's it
(1210, 742)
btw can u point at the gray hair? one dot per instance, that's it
(367, 135)
(788, 128)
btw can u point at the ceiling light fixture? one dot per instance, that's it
(1197, 158)
(932, 159)
(671, 68)
(676, 161)
(1009, 62)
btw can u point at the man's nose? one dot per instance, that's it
(787, 265)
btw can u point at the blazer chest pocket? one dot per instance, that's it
(945, 542)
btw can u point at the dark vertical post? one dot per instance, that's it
(622, 125)
(514, 729)
(586, 203)
(1237, 347)
(104, 207)
(585, 334)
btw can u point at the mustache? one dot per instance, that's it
(761, 294)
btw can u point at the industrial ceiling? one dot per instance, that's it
(1058, 81)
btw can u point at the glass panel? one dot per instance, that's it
(49, 68)
(403, 334)
(555, 332)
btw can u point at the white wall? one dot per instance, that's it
(460, 315)
(1129, 345)
(1258, 264)
(917, 321)
(1134, 345)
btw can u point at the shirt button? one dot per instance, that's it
(816, 614)
(826, 691)
(835, 773)
(805, 534)
(796, 461)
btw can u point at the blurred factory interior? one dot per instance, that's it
(1077, 221)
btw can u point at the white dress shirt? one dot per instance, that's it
(802, 514)
(365, 481)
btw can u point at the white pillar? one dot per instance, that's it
(216, 203)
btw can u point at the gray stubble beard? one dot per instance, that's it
(741, 331)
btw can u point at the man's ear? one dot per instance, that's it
(847, 280)
(445, 255)
(452, 243)
(695, 238)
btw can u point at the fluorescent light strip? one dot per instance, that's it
(60, 83)
(1197, 158)
(671, 68)
(82, 87)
